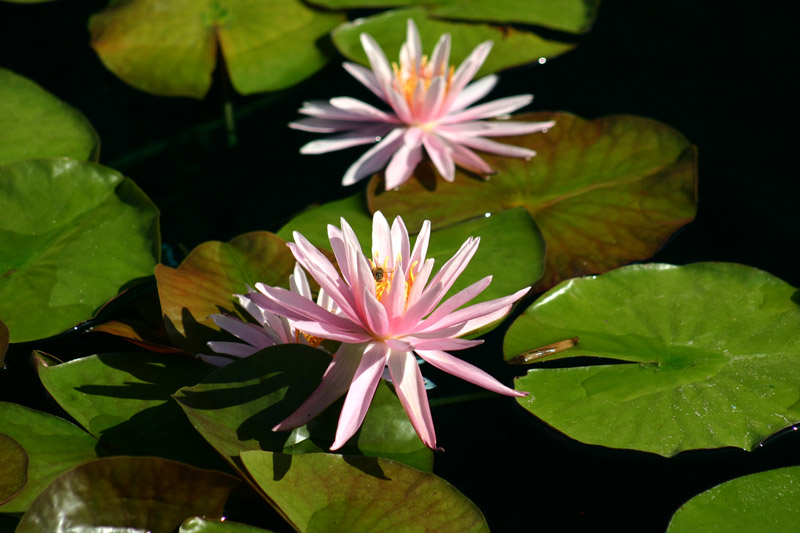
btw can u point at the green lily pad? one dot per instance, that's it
(52, 445)
(72, 235)
(763, 502)
(324, 492)
(237, 406)
(135, 493)
(604, 192)
(207, 279)
(125, 401)
(204, 525)
(512, 47)
(509, 238)
(13, 468)
(35, 124)
(170, 48)
(711, 352)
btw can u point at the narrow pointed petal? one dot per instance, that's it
(410, 388)
(326, 331)
(236, 349)
(430, 105)
(455, 366)
(375, 158)
(400, 106)
(420, 281)
(405, 160)
(400, 242)
(377, 60)
(441, 56)
(474, 92)
(362, 389)
(326, 125)
(382, 240)
(465, 72)
(335, 382)
(439, 152)
(366, 78)
(466, 158)
(215, 360)
(394, 298)
(368, 135)
(414, 44)
(298, 282)
(457, 300)
(475, 312)
(293, 306)
(249, 333)
(493, 147)
(357, 107)
(420, 252)
(496, 128)
(445, 344)
(489, 109)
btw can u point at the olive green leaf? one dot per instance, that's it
(604, 192)
(170, 47)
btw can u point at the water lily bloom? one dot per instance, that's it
(430, 109)
(388, 310)
(272, 330)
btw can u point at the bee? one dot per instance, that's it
(378, 273)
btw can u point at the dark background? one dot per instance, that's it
(716, 71)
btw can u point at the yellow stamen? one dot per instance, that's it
(313, 341)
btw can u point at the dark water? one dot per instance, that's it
(716, 71)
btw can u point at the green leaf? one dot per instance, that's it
(125, 401)
(207, 279)
(711, 352)
(323, 492)
(237, 406)
(13, 468)
(52, 446)
(35, 124)
(204, 525)
(140, 493)
(169, 47)
(758, 503)
(512, 47)
(72, 235)
(574, 16)
(604, 192)
(508, 238)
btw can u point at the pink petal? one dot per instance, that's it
(400, 242)
(445, 344)
(357, 107)
(400, 106)
(405, 160)
(215, 360)
(367, 135)
(394, 297)
(366, 78)
(362, 389)
(293, 306)
(249, 333)
(326, 111)
(455, 366)
(495, 128)
(414, 44)
(418, 287)
(465, 72)
(479, 311)
(236, 349)
(335, 382)
(457, 300)
(325, 125)
(494, 147)
(420, 251)
(441, 56)
(410, 388)
(326, 331)
(466, 158)
(377, 60)
(382, 240)
(489, 109)
(298, 282)
(474, 92)
(429, 108)
(439, 153)
(375, 158)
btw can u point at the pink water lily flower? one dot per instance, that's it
(270, 330)
(430, 109)
(388, 309)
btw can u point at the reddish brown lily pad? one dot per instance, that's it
(208, 278)
(604, 192)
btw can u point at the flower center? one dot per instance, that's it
(384, 276)
(312, 341)
(406, 77)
